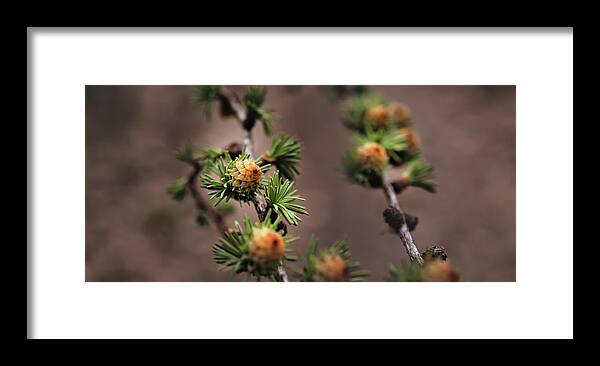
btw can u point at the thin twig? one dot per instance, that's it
(403, 231)
(282, 273)
(248, 144)
(201, 204)
(231, 105)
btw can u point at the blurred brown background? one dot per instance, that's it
(136, 232)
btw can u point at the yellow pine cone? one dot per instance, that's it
(267, 246)
(413, 142)
(372, 155)
(400, 112)
(332, 268)
(440, 271)
(378, 116)
(246, 174)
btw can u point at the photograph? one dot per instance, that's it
(300, 183)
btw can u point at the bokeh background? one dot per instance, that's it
(136, 232)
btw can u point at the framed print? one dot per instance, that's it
(297, 178)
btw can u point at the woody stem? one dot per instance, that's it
(403, 232)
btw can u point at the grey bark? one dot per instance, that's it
(403, 232)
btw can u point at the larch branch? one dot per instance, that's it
(201, 204)
(231, 102)
(401, 229)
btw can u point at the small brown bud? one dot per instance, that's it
(413, 143)
(400, 112)
(281, 226)
(375, 180)
(332, 268)
(378, 116)
(225, 107)
(267, 246)
(434, 253)
(372, 155)
(440, 271)
(400, 184)
(266, 158)
(393, 217)
(411, 222)
(234, 149)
